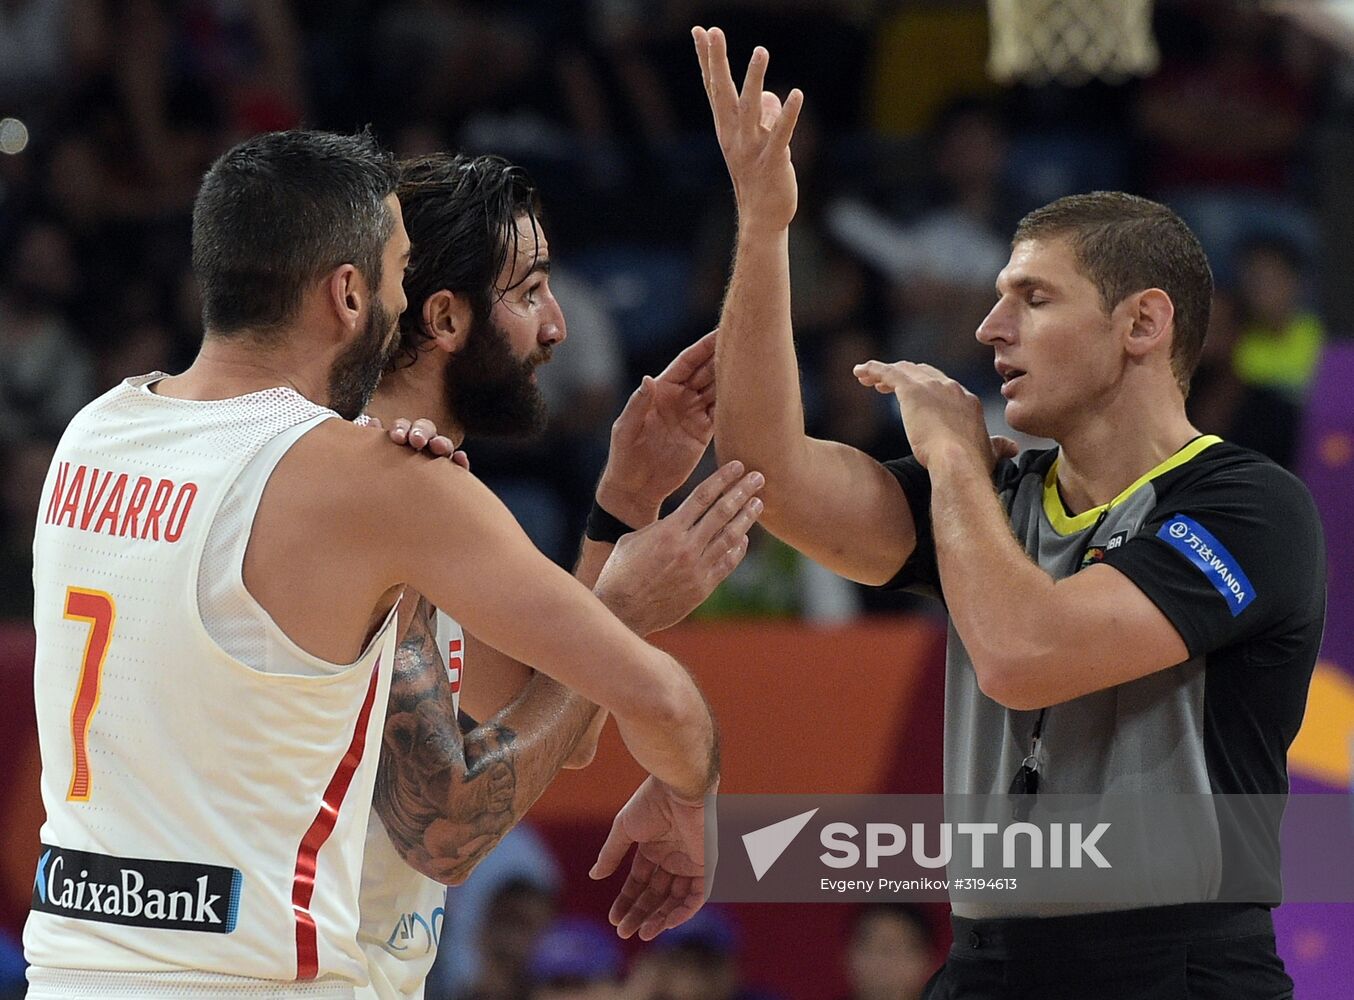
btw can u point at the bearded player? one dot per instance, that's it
(481, 319)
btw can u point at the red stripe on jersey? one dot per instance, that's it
(454, 665)
(303, 885)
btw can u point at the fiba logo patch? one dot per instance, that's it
(1093, 555)
(1096, 553)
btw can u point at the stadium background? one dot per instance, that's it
(913, 168)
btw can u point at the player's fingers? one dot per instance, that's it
(692, 359)
(657, 921)
(726, 560)
(375, 422)
(612, 853)
(442, 446)
(701, 420)
(632, 414)
(688, 907)
(784, 129)
(726, 508)
(422, 432)
(752, 82)
(648, 902)
(703, 497)
(650, 899)
(635, 883)
(461, 459)
(625, 900)
(702, 378)
(724, 544)
(399, 431)
(690, 899)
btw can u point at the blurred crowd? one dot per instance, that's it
(913, 170)
(504, 938)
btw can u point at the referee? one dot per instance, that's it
(1135, 611)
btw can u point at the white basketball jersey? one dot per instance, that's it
(402, 910)
(201, 814)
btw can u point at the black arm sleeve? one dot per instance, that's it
(921, 573)
(1236, 554)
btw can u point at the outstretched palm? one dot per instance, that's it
(666, 885)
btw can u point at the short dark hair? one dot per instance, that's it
(461, 215)
(1125, 244)
(280, 210)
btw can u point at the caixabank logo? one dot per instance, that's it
(137, 892)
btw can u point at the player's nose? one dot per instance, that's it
(553, 329)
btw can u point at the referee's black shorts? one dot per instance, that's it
(1200, 951)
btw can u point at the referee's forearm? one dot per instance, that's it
(760, 416)
(996, 595)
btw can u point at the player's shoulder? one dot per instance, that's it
(339, 447)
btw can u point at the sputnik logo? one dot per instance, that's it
(765, 846)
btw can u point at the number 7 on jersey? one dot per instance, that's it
(99, 611)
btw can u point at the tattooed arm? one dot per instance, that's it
(446, 800)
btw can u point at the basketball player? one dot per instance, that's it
(482, 318)
(218, 562)
(1137, 610)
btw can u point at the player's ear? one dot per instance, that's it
(1153, 318)
(347, 292)
(447, 318)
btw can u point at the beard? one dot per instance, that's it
(490, 390)
(358, 369)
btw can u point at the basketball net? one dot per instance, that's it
(1070, 41)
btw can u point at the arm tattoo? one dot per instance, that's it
(446, 800)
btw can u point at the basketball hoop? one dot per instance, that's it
(1070, 41)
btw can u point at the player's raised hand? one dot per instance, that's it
(660, 436)
(754, 131)
(667, 882)
(658, 575)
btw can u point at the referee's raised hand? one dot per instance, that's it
(754, 130)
